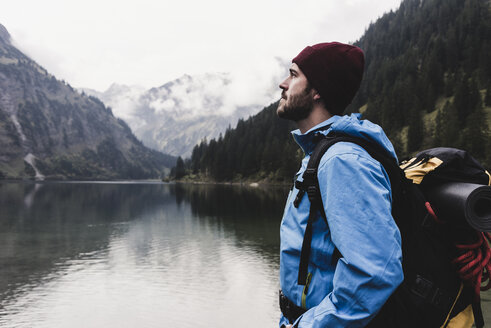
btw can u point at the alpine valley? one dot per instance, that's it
(176, 116)
(49, 130)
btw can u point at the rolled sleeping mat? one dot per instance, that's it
(455, 201)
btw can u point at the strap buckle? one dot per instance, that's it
(289, 309)
(430, 293)
(310, 174)
(313, 193)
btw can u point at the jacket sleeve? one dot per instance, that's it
(357, 200)
(283, 321)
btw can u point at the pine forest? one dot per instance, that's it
(427, 82)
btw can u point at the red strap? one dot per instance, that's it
(432, 213)
(474, 265)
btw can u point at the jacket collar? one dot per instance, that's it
(307, 141)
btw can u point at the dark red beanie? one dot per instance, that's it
(333, 69)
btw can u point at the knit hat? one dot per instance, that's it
(335, 70)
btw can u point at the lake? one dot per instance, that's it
(140, 255)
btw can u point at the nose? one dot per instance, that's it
(284, 84)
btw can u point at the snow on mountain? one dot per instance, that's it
(122, 99)
(176, 116)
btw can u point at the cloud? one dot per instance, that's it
(257, 83)
(147, 42)
(250, 87)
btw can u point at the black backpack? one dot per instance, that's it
(434, 243)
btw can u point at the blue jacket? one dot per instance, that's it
(356, 195)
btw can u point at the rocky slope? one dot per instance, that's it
(176, 116)
(48, 129)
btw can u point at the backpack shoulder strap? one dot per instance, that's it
(310, 184)
(375, 151)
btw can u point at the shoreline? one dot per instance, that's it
(251, 183)
(248, 183)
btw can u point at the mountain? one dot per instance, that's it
(48, 129)
(259, 148)
(427, 68)
(176, 116)
(122, 99)
(427, 82)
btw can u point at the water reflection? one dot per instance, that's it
(45, 225)
(126, 255)
(240, 210)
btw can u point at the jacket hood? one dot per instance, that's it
(352, 125)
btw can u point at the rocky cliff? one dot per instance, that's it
(48, 129)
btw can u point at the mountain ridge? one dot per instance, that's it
(4, 34)
(181, 113)
(48, 129)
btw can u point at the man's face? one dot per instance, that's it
(297, 99)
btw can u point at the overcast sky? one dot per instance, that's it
(93, 43)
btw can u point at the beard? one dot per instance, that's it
(296, 107)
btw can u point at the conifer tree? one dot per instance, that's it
(450, 127)
(416, 131)
(475, 100)
(179, 169)
(487, 97)
(476, 134)
(437, 132)
(462, 100)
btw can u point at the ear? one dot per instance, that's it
(317, 96)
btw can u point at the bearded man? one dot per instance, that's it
(355, 258)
